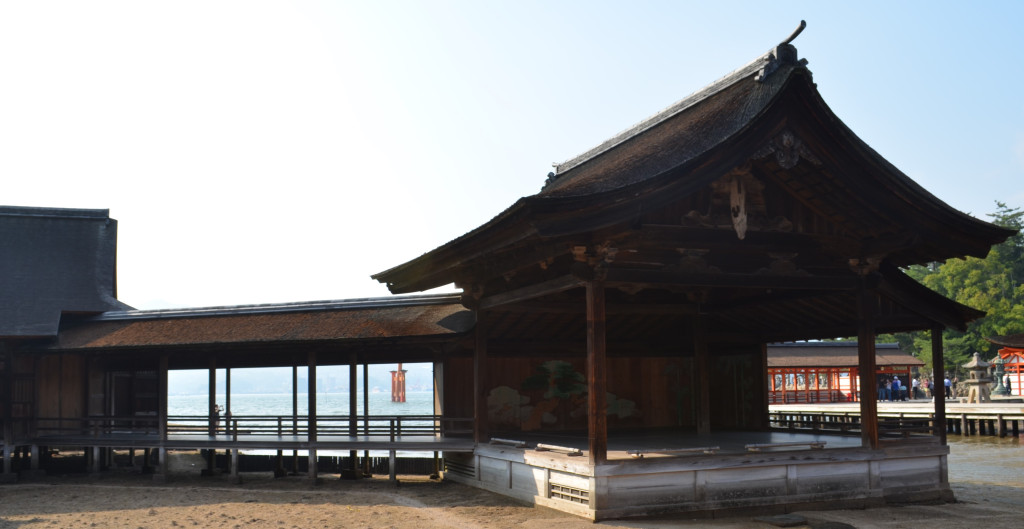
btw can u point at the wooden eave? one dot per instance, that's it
(1015, 341)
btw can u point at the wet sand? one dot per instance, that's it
(126, 499)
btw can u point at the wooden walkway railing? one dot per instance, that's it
(849, 423)
(392, 427)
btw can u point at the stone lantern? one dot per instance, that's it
(978, 389)
(999, 373)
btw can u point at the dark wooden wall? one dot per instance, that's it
(646, 392)
(60, 390)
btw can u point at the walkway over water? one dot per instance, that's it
(992, 418)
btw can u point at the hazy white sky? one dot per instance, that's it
(258, 152)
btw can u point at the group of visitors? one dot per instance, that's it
(893, 389)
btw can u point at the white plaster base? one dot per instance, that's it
(784, 480)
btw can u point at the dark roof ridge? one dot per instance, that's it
(30, 211)
(276, 308)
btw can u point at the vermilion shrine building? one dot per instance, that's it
(1012, 354)
(823, 372)
(608, 353)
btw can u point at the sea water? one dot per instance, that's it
(281, 404)
(275, 404)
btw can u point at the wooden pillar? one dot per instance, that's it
(938, 389)
(227, 395)
(235, 476)
(311, 420)
(866, 308)
(162, 398)
(353, 410)
(700, 366)
(212, 385)
(161, 466)
(597, 407)
(480, 382)
(855, 387)
(295, 416)
(366, 416)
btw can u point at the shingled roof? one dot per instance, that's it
(835, 354)
(697, 140)
(347, 320)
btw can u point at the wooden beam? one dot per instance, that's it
(551, 286)
(711, 238)
(866, 308)
(597, 407)
(558, 307)
(662, 278)
(938, 388)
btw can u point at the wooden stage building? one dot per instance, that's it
(607, 355)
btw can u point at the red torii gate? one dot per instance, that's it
(398, 384)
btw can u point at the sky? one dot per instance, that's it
(265, 152)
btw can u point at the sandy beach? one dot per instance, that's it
(127, 499)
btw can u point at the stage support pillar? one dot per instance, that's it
(597, 407)
(867, 306)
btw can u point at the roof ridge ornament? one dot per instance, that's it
(796, 33)
(784, 53)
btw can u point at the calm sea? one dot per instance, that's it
(417, 403)
(274, 404)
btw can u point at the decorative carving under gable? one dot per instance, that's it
(738, 200)
(783, 264)
(788, 150)
(865, 266)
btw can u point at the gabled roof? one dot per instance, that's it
(54, 262)
(835, 354)
(697, 140)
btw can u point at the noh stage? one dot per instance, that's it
(608, 352)
(629, 304)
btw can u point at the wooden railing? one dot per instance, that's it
(392, 426)
(889, 426)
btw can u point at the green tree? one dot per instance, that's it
(994, 285)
